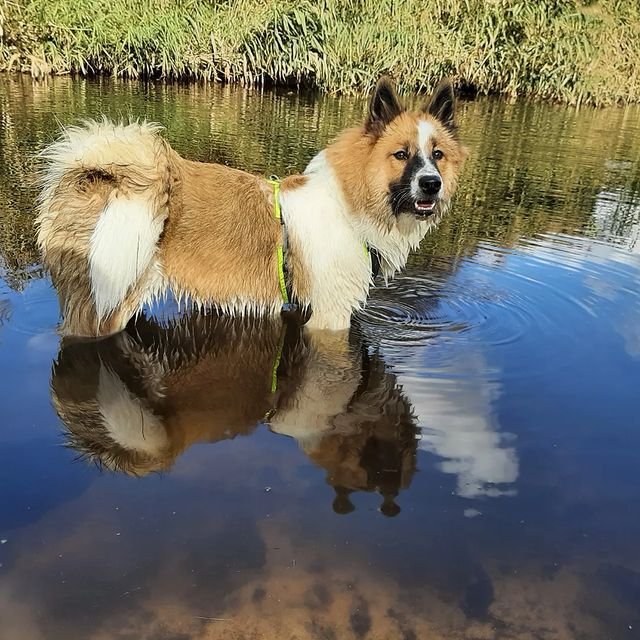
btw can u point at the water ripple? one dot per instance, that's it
(35, 309)
(552, 286)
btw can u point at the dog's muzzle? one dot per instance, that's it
(430, 188)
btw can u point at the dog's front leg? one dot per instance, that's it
(329, 320)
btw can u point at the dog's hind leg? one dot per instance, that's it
(101, 252)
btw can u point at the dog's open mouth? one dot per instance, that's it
(425, 207)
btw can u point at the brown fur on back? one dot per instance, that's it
(217, 246)
(219, 239)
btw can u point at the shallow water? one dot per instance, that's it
(466, 466)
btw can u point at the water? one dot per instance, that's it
(465, 467)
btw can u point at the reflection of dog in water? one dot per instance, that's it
(135, 401)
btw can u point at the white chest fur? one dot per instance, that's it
(333, 244)
(331, 247)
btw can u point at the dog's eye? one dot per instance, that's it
(401, 155)
(437, 154)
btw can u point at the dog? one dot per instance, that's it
(135, 401)
(124, 220)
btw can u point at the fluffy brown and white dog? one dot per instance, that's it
(123, 219)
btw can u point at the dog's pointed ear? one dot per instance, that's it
(384, 106)
(442, 104)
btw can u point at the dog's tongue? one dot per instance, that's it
(425, 206)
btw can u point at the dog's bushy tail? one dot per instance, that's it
(102, 210)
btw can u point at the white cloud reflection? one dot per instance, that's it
(455, 409)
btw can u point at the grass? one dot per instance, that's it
(573, 51)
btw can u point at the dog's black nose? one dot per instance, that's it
(430, 185)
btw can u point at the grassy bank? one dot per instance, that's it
(575, 51)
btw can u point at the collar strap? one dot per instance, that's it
(274, 181)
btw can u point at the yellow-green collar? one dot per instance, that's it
(277, 212)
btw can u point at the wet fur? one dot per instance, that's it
(124, 220)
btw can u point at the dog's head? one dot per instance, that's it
(402, 166)
(417, 156)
